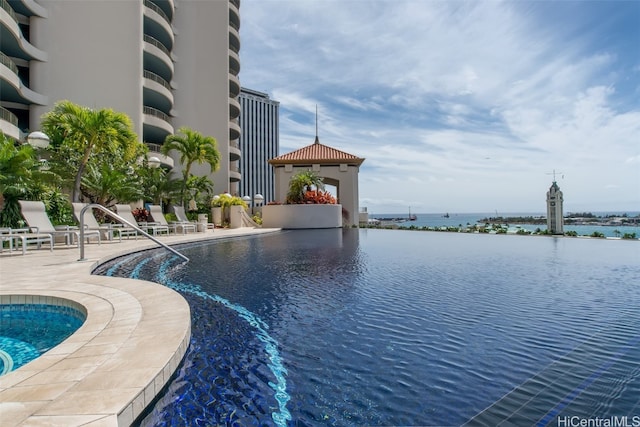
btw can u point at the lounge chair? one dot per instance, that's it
(35, 214)
(125, 212)
(24, 237)
(108, 230)
(182, 217)
(158, 216)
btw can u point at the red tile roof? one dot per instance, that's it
(317, 153)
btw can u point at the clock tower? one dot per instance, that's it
(555, 219)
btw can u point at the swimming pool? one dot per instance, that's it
(28, 330)
(387, 327)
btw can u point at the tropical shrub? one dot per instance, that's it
(226, 200)
(21, 178)
(301, 183)
(318, 197)
(306, 187)
(141, 214)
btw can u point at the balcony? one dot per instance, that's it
(156, 125)
(234, 63)
(234, 151)
(234, 85)
(157, 92)
(29, 8)
(157, 24)
(234, 130)
(234, 174)
(13, 41)
(157, 58)
(167, 6)
(9, 124)
(234, 39)
(234, 14)
(11, 86)
(234, 108)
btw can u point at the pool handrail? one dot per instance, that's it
(124, 221)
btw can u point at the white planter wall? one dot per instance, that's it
(216, 216)
(235, 216)
(302, 216)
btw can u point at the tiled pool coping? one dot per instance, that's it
(110, 369)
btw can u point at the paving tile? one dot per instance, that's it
(13, 413)
(69, 421)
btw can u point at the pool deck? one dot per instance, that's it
(107, 372)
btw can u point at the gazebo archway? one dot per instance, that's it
(336, 167)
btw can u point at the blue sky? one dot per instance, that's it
(459, 106)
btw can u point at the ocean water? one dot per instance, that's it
(385, 327)
(456, 220)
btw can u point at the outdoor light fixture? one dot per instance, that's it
(257, 200)
(246, 199)
(154, 162)
(38, 139)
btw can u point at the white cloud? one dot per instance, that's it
(459, 104)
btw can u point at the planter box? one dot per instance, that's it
(302, 216)
(235, 216)
(216, 216)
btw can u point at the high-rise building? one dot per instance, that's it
(259, 143)
(555, 218)
(165, 63)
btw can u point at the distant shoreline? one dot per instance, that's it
(499, 230)
(581, 219)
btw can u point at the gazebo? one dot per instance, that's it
(336, 167)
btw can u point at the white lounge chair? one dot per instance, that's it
(182, 217)
(108, 230)
(24, 237)
(158, 216)
(125, 212)
(35, 214)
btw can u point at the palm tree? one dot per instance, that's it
(193, 147)
(89, 131)
(301, 182)
(200, 187)
(105, 185)
(158, 186)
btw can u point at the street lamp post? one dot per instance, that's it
(247, 200)
(257, 200)
(39, 141)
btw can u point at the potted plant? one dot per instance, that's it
(227, 208)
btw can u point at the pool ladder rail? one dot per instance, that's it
(123, 221)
